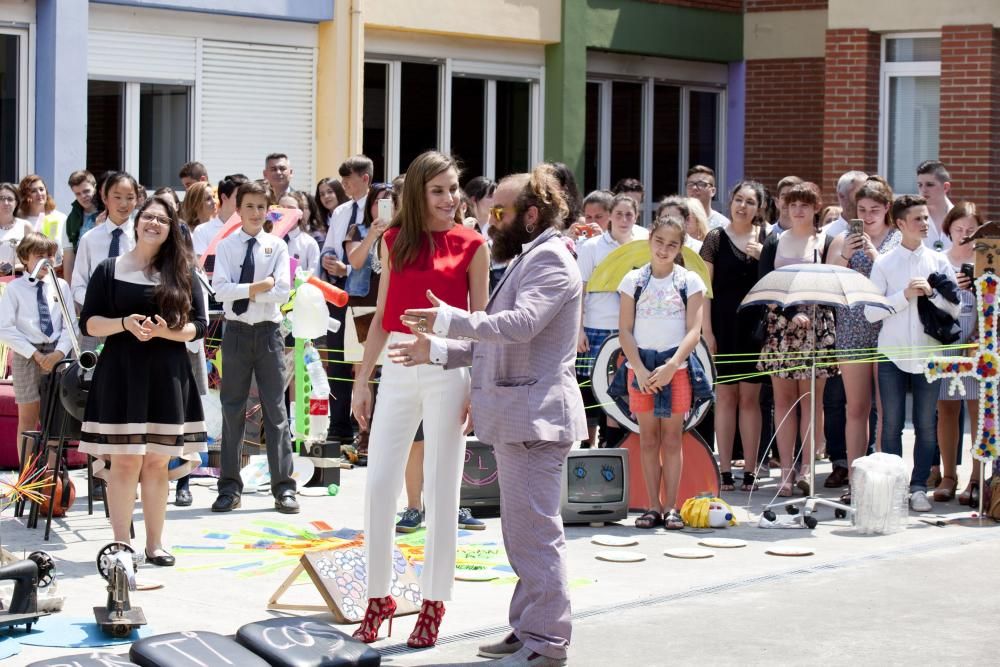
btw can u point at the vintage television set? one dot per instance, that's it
(480, 483)
(595, 486)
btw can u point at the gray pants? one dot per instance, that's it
(248, 351)
(530, 489)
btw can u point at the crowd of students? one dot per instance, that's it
(913, 248)
(135, 265)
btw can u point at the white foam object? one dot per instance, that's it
(620, 556)
(722, 543)
(614, 540)
(309, 314)
(879, 490)
(212, 407)
(689, 554)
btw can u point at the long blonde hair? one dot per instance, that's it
(194, 199)
(413, 233)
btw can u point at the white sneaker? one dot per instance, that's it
(919, 502)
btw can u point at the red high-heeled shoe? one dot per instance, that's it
(378, 610)
(425, 632)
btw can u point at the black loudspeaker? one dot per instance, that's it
(183, 649)
(82, 660)
(327, 471)
(480, 478)
(305, 642)
(322, 450)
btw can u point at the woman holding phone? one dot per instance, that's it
(960, 223)
(865, 240)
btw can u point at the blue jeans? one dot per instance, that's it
(892, 388)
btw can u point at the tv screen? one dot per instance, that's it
(595, 479)
(479, 476)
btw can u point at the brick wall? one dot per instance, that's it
(783, 5)
(783, 134)
(851, 104)
(970, 113)
(718, 5)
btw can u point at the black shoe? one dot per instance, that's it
(226, 503)
(98, 491)
(286, 503)
(183, 498)
(837, 478)
(166, 560)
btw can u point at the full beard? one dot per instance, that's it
(507, 242)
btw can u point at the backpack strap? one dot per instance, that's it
(645, 273)
(679, 277)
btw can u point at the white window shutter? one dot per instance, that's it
(257, 99)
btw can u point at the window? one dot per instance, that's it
(651, 130)
(142, 128)
(910, 107)
(485, 114)
(13, 105)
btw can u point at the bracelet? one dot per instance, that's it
(123, 325)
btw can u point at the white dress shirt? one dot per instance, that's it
(716, 219)
(94, 248)
(270, 258)
(303, 248)
(337, 226)
(837, 227)
(203, 235)
(936, 238)
(10, 238)
(902, 338)
(20, 327)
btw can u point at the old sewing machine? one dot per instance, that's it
(29, 575)
(116, 563)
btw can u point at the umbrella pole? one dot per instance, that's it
(812, 409)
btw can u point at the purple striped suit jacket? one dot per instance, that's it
(522, 349)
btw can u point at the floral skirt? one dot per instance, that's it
(788, 348)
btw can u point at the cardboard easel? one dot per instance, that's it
(333, 597)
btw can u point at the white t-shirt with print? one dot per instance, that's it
(9, 240)
(660, 315)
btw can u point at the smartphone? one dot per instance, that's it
(969, 270)
(385, 209)
(856, 226)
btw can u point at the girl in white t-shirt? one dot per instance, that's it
(659, 326)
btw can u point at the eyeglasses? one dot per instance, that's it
(699, 185)
(7, 200)
(497, 212)
(149, 217)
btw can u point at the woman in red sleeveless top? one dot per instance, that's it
(422, 250)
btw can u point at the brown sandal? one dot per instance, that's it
(945, 490)
(649, 519)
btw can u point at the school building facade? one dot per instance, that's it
(614, 88)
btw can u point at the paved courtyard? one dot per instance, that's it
(927, 594)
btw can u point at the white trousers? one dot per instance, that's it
(405, 396)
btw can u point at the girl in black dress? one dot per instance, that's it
(143, 405)
(732, 254)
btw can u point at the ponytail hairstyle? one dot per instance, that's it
(174, 262)
(413, 233)
(622, 198)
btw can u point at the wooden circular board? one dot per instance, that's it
(620, 556)
(791, 551)
(614, 541)
(722, 543)
(476, 575)
(689, 554)
(314, 491)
